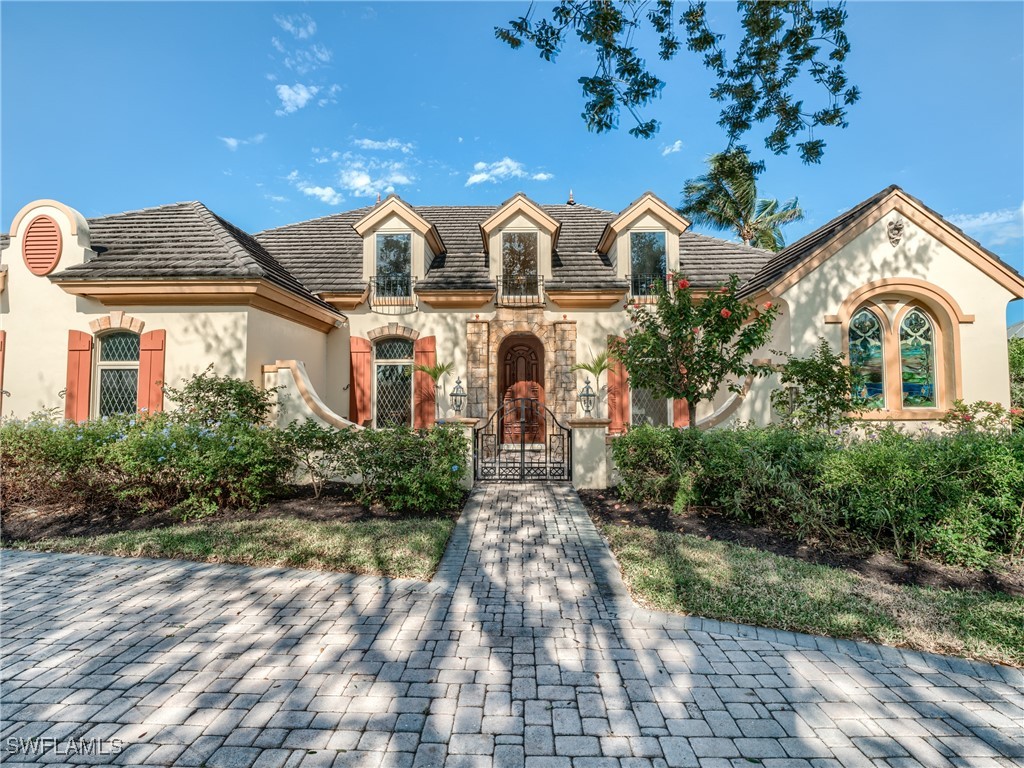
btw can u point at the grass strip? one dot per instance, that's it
(401, 548)
(688, 574)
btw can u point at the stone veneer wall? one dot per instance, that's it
(484, 338)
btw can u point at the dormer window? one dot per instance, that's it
(647, 260)
(394, 265)
(520, 276)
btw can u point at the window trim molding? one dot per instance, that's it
(890, 299)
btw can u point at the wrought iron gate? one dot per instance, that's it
(523, 440)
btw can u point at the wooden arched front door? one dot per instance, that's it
(521, 375)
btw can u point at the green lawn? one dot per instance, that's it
(687, 574)
(407, 548)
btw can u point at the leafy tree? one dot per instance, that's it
(761, 82)
(725, 198)
(820, 395)
(688, 347)
(1016, 373)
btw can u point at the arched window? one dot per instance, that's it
(117, 373)
(392, 402)
(917, 360)
(867, 358)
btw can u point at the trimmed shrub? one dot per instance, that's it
(410, 470)
(957, 496)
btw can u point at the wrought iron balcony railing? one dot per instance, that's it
(392, 294)
(644, 286)
(522, 289)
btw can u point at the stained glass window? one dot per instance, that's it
(118, 374)
(647, 409)
(393, 402)
(866, 359)
(917, 360)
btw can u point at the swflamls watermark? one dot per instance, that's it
(39, 745)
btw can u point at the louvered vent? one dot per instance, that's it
(41, 245)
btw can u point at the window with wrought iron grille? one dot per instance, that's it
(519, 263)
(647, 409)
(117, 374)
(392, 402)
(647, 262)
(394, 265)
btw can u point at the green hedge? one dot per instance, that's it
(213, 450)
(957, 497)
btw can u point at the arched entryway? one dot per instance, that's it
(521, 375)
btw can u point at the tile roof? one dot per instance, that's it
(178, 241)
(795, 253)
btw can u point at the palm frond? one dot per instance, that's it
(435, 371)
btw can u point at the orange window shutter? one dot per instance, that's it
(360, 354)
(680, 414)
(76, 395)
(151, 371)
(424, 352)
(618, 398)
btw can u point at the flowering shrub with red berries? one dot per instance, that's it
(687, 346)
(980, 416)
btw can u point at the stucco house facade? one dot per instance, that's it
(96, 315)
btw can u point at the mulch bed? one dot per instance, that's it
(336, 504)
(607, 507)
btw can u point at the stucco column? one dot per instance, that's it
(468, 426)
(589, 455)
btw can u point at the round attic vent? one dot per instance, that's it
(41, 245)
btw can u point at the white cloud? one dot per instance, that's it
(276, 198)
(233, 143)
(326, 195)
(368, 176)
(301, 26)
(503, 170)
(992, 227)
(670, 149)
(294, 97)
(389, 144)
(330, 96)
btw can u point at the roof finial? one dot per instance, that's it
(570, 200)
(378, 198)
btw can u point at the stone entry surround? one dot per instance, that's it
(525, 650)
(483, 340)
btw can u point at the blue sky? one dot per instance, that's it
(276, 112)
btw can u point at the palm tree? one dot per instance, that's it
(726, 198)
(598, 365)
(436, 372)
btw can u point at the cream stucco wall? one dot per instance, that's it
(37, 315)
(919, 256)
(448, 326)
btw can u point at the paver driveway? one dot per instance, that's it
(524, 649)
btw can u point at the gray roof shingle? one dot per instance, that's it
(178, 241)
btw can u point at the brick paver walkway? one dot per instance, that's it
(524, 650)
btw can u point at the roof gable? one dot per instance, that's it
(519, 204)
(395, 206)
(796, 261)
(650, 203)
